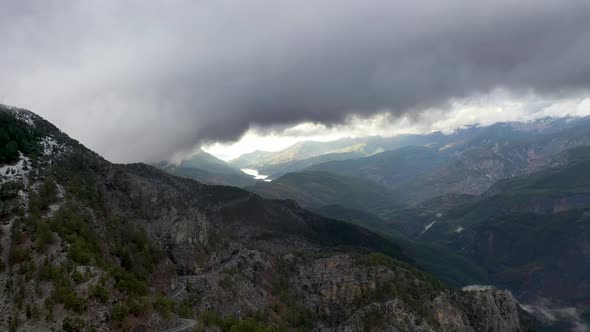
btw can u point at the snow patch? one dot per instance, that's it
(53, 208)
(459, 229)
(16, 172)
(22, 115)
(25, 117)
(49, 145)
(52, 148)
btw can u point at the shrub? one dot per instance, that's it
(68, 297)
(138, 306)
(16, 136)
(119, 312)
(78, 277)
(164, 305)
(127, 282)
(209, 318)
(227, 282)
(100, 293)
(70, 324)
(18, 255)
(43, 237)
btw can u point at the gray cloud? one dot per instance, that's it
(140, 80)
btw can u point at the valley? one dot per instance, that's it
(502, 205)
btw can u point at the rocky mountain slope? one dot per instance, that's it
(530, 232)
(90, 245)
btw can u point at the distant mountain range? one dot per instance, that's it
(504, 204)
(507, 204)
(308, 153)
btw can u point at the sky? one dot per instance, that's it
(151, 80)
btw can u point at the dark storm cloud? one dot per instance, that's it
(143, 79)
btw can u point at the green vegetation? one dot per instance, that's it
(138, 255)
(346, 235)
(316, 189)
(128, 282)
(444, 263)
(67, 296)
(121, 249)
(9, 204)
(70, 324)
(119, 312)
(164, 305)
(100, 293)
(209, 177)
(15, 137)
(378, 259)
(227, 282)
(138, 305)
(72, 227)
(412, 286)
(230, 324)
(393, 168)
(41, 199)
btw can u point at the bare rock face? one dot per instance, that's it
(354, 296)
(345, 292)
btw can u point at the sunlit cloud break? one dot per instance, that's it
(483, 110)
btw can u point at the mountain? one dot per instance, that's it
(206, 168)
(298, 151)
(251, 159)
(531, 232)
(468, 161)
(317, 189)
(304, 154)
(392, 169)
(208, 162)
(443, 262)
(91, 245)
(277, 170)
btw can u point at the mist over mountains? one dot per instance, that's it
(503, 204)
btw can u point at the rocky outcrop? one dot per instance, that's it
(353, 296)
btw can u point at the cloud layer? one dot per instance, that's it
(141, 80)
